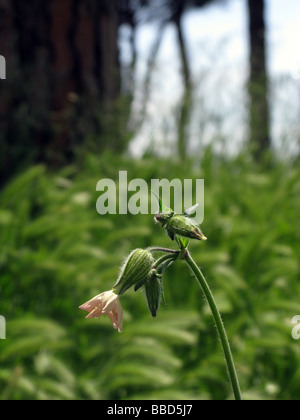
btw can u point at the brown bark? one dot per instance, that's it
(186, 103)
(63, 71)
(108, 34)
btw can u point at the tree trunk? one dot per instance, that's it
(186, 103)
(62, 82)
(258, 82)
(178, 7)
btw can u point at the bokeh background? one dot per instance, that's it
(161, 89)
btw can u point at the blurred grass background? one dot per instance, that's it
(57, 252)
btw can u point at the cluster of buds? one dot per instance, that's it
(141, 270)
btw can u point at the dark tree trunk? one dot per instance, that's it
(258, 81)
(186, 102)
(63, 80)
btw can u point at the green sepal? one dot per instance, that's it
(134, 271)
(139, 285)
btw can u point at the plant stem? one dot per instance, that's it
(159, 249)
(219, 324)
(165, 258)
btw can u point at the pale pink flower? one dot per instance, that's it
(107, 303)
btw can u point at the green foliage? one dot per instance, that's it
(57, 252)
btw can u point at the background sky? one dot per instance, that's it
(217, 41)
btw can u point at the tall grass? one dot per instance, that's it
(57, 252)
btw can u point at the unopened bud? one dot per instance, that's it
(153, 288)
(182, 225)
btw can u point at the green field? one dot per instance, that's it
(57, 252)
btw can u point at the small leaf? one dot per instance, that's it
(182, 242)
(162, 208)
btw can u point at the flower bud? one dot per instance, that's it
(154, 290)
(135, 270)
(182, 225)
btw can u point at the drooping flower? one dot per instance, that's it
(106, 303)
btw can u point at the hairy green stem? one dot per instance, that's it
(164, 258)
(159, 249)
(219, 324)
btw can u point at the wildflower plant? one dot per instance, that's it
(143, 269)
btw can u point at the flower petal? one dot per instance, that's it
(105, 303)
(93, 303)
(96, 313)
(110, 303)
